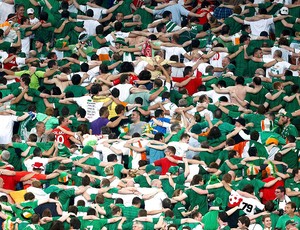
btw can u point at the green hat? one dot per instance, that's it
(173, 169)
(87, 149)
(149, 168)
(213, 180)
(61, 43)
(63, 177)
(290, 222)
(121, 41)
(196, 128)
(231, 67)
(288, 114)
(217, 202)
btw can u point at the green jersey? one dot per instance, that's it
(93, 224)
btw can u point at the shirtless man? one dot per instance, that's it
(237, 92)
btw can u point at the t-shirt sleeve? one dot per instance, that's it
(184, 11)
(20, 61)
(104, 11)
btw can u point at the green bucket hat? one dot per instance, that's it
(196, 128)
(61, 43)
(173, 169)
(121, 41)
(87, 149)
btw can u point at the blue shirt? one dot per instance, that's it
(222, 12)
(159, 129)
(154, 154)
(176, 10)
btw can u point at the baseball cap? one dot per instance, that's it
(27, 213)
(83, 36)
(290, 222)
(30, 11)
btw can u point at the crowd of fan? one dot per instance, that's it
(148, 114)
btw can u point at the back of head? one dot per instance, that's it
(76, 79)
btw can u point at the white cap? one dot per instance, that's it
(30, 11)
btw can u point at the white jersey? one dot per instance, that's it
(216, 60)
(248, 205)
(181, 148)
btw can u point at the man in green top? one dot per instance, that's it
(91, 221)
(41, 49)
(256, 62)
(131, 212)
(292, 186)
(196, 195)
(35, 220)
(76, 88)
(288, 127)
(23, 95)
(290, 215)
(241, 63)
(258, 98)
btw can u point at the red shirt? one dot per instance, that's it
(192, 86)
(203, 19)
(166, 164)
(269, 193)
(10, 182)
(11, 64)
(62, 137)
(132, 79)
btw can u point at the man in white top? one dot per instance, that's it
(124, 87)
(281, 199)
(97, 10)
(260, 23)
(183, 146)
(281, 66)
(88, 24)
(7, 124)
(37, 162)
(155, 202)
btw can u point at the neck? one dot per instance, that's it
(39, 134)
